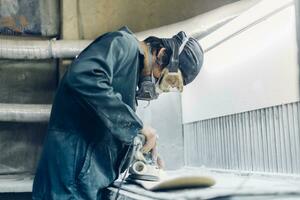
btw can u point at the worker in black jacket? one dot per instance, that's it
(93, 120)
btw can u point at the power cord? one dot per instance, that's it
(134, 149)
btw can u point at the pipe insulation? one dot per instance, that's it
(197, 27)
(33, 49)
(24, 112)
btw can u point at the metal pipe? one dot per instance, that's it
(33, 49)
(24, 112)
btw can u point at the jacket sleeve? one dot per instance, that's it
(90, 79)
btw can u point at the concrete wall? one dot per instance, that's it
(89, 18)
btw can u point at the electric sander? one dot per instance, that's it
(143, 167)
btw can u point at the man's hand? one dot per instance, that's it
(157, 159)
(151, 139)
(150, 135)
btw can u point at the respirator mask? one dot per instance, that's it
(147, 91)
(170, 79)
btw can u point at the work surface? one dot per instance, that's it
(229, 185)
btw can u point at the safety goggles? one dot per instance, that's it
(171, 77)
(169, 81)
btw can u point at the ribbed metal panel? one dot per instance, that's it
(266, 140)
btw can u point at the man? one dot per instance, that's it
(93, 122)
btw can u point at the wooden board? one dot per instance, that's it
(175, 183)
(228, 183)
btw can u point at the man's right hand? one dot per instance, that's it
(150, 134)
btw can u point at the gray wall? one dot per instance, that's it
(164, 115)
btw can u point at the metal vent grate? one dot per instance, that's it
(265, 140)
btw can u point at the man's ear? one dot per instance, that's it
(161, 53)
(160, 56)
(147, 55)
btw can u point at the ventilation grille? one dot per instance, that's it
(265, 140)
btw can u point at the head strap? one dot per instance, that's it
(174, 61)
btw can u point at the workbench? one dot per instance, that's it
(230, 185)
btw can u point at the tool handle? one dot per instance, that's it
(139, 140)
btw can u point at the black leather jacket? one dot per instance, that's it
(92, 120)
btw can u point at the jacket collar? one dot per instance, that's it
(127, 30)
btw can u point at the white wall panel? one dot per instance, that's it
(255, 68)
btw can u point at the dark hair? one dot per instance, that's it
(156, 44)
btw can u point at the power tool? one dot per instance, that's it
(143, 166)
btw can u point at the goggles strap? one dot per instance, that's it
(150, 63)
